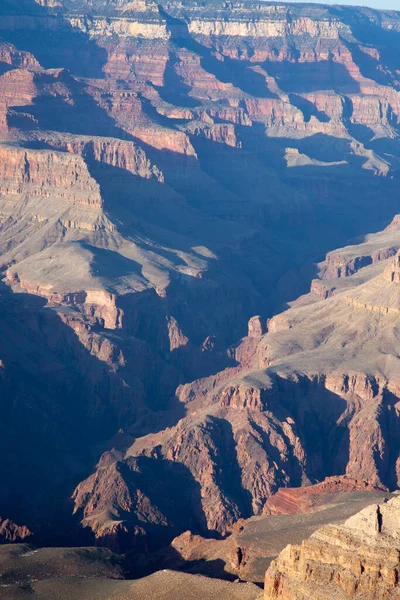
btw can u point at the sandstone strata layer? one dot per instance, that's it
(359, 559)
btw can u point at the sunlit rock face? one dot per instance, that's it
(167, 172)
(359, 559)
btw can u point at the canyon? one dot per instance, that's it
(314, 393)
(200, 258)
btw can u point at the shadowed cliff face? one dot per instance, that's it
(168, 171)
(57, 401)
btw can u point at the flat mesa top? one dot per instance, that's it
(312, 9)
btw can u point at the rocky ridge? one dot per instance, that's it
(317, 394)
(290, 515)
(359, 559)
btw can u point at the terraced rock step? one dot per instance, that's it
(359, 559)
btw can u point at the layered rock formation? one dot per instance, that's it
(316, 395)
(168, 171)
(254, 543)
(292, 501)
(359, 559)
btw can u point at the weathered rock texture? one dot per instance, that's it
(359, 559)
(168, 171)
(11, 532)
(292, 501)
(292, 515)
(315, 396)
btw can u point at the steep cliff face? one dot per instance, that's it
(168, 171)
(39, 173)
(234, 457)
(293, 514)
(65, 389)
(316, 395)
(359, 559)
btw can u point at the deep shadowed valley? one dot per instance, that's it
(200, 300)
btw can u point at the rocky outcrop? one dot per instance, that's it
(43, 173)
(340, 265)
(256, 327)
(19, 59)
(113, 152)
(292, 501)
(234, 459)
(17, 87)
(392, 271)
(254, 543)
(135, 509)
(103, 306)
(11, 532)
(359, 559)
(352, 265)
